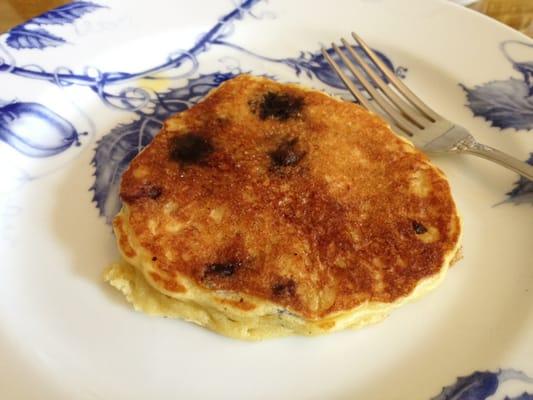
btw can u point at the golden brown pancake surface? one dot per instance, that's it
(288, 196)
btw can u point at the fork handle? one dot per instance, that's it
(499, 157)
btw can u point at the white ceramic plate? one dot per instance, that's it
(72, 116)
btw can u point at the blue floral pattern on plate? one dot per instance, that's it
(523, 189)
(50, 134)
(481, 385)
(504, 104)
(27, 37)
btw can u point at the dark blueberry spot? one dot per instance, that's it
(419, 228)
(154, 191)
(190, 148)
(285, 287)
(287, 154)
(222, 269)
(154, 258)
(280, 106)
(150, 191)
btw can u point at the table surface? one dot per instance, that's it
(515, 13)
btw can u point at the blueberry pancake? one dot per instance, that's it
(270, 209)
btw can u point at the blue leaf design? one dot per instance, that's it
(65, 14)
(317, 64)
(113, 154)
(476, 386)
(34, 130)
(116, 149)
(481, 385)
(24, 38)
(526, 69)
(505, 104)
(523, 190)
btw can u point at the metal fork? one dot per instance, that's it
(407, 114)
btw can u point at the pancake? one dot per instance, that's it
(270, 209)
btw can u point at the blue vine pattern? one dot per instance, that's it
(314, 65)
(133, 98)
(27, 37)
(480, 385)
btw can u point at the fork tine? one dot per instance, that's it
(349, 84)
(409, 95)
(382, 102)
(359, 96)
(397, 129)
(405, 108)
